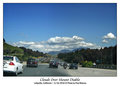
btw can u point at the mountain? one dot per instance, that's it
(57, 52)
(79, 48)
(65, 51)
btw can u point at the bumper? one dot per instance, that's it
(53, 65)
(32, 65)
(8, 72)
(9, 69)
(73, 67)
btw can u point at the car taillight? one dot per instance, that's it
(35, 62)
(11, 63)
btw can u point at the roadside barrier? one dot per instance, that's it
(105, 66)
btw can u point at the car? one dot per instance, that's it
(61, 63)
(68, 64)
(65, 65)
(73, 66)
(53, 63)
(31, 62)
(12, 65)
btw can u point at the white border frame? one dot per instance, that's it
(91, 81)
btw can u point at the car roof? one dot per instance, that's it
(8, 56)
(52, 60)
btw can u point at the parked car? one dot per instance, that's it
(53, 63)
(31, 62)
(73, 66)
(11, 64)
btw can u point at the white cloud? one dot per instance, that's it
(37, 46)
(104, 41)
(64, 39)
(57, 44)
(77, 38)
(26, 43)
(109, 36)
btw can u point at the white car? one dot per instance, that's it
(11, 64)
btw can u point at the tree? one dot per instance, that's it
(3, 40)
(108, 55)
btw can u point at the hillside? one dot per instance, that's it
(21, 52)
(11, 50)
(107, 55)
(65, 51)
(30, 53)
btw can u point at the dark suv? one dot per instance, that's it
(31, 62)
(53, 64)
(73, 66)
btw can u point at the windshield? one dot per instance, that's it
(8, 58)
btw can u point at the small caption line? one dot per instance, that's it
(60, 81)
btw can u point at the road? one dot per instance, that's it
(44, 70)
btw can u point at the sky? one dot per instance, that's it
(60, 26)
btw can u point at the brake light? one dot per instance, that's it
(11, 63)
(35, 62)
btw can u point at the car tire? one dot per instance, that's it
(21, 71)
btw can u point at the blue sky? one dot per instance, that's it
(46, 23)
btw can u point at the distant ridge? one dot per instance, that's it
(57, 52)
(65, 51)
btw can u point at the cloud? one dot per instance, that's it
(109, 37)
(27, 43)
(64, 39)
(104, 41)
(24, 44)
(57, 44)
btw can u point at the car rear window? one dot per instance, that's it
(31, 59)
(52, 61)
(8, 58)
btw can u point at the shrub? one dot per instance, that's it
(87, 64)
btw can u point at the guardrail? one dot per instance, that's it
(105, 66)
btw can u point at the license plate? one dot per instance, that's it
(5, 67)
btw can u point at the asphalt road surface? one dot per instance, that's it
(44, 70)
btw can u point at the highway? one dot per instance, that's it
(44, 70)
